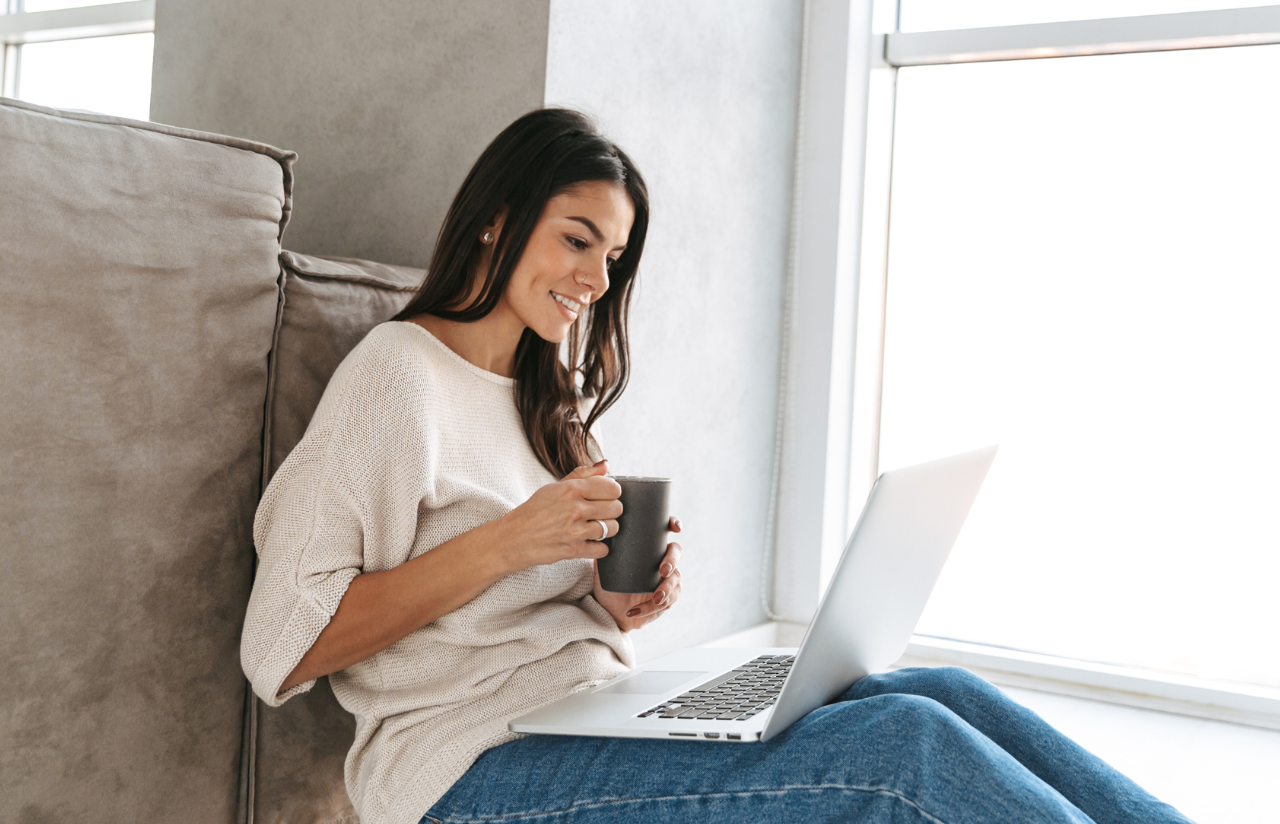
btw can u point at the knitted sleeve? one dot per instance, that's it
(349, 488)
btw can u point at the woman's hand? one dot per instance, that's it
(562, 520)
(634, 610)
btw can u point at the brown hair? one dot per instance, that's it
(540, 155)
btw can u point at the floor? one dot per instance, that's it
(1214, 772)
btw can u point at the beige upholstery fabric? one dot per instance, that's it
(138, 268)
(328, 306)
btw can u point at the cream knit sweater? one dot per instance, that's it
(410, 446)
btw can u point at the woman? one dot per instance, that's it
(417, 547)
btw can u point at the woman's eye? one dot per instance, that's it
(577, 243)
(609, 263)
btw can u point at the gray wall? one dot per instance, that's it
(386, 102)
(703, 95)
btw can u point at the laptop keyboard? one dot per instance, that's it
(733, 696)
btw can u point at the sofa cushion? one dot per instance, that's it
(327, 307)
(138, 292)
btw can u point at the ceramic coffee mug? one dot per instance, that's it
(636, 552)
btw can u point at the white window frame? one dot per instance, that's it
(18, 27)
(833, 347)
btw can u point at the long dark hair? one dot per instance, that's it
(539, 156)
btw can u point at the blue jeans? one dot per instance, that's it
(935, 745)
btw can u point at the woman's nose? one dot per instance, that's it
(598, 278)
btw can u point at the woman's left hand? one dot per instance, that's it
(632, 610)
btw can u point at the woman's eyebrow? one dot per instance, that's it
(586, 222)
(599, 236)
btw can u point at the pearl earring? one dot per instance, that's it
(486, 238)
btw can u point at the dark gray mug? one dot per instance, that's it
(636, 552)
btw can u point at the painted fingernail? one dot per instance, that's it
(601, 462)
(660, 597)
(678, 523)
(665, 570)
(631, 613)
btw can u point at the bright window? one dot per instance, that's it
(111, 75)
(1084, 267)
(102, 63)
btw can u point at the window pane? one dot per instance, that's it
(111, 75)
(50, 5)
(1085, 268)
(935, 15)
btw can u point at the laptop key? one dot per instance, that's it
(715, 682)
(757, 680)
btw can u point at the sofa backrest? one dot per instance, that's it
(138, 299)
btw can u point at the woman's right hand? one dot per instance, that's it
(562, 519)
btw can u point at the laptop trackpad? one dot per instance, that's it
(650, 682)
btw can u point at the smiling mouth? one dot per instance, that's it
(571, 305)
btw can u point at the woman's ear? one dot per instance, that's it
(494, 226)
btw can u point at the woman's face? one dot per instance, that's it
(565, 265)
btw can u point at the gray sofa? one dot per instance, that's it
(161, 357)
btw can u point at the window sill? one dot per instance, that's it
(1129, 686)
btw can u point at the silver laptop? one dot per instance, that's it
(884, 577)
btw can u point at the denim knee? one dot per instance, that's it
(951, 678)
(901, 716)
(927, 681)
